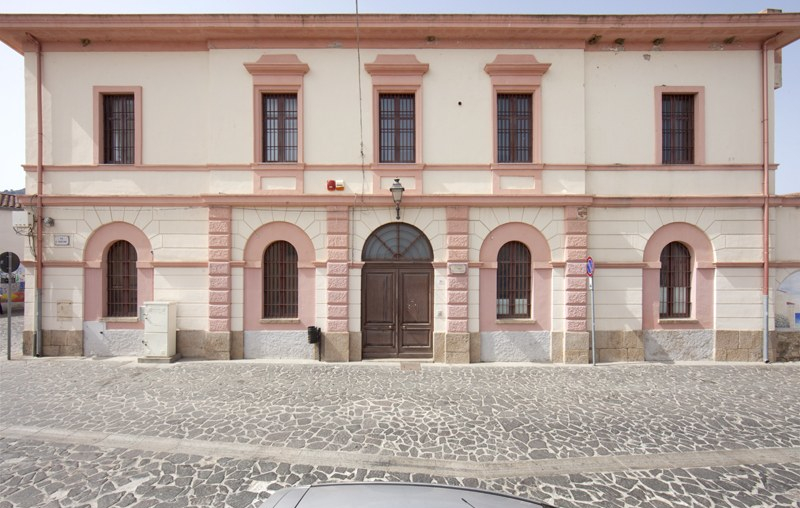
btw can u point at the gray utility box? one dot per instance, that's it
(159, 331)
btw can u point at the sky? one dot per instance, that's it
(787, 110)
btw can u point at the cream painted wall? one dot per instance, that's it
(739, 303)
(620, 234)
(188, 287)
(564, 181)
(174, 120)
(245, 221)
(114, 182)
(207, 115)
(618, 299)
(549, 221)
(620, 103)
(175, 234)
(673, 183)
(62, 285)
(785, 240)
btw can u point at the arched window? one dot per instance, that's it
(280, 281)
(513, 281)
(676, 281)
(121, 283)
(397, 242)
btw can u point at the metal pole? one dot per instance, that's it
(8, 307)
(591, 296)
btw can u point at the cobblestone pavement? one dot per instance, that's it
(83, 432)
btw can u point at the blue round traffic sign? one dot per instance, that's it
(589, 266)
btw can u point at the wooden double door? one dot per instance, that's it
(397, 310)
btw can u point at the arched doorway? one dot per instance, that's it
(397, 294)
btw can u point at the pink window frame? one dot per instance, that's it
(518, 74)
(98, 92)
(541, 275)
(703, 273)
(254, 278)
(396, 74)
(94, 273)
(277, 74)
(699, 94)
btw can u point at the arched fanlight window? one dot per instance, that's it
(513, 281)
(121, 280)
(676, 281)
(397, 242)
(280, 281)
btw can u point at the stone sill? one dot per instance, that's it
(678, 321)
(515, 322)
(290, 321)
(119, 320)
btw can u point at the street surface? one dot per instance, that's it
(112, 432)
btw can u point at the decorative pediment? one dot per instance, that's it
(516, 69)
(282, 65)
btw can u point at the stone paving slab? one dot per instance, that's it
(469, 413)
(82, 432)
(55, 475)
(490, 470)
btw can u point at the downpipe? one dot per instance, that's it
(765, 159)
(39, 254)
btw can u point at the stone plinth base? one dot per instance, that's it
(54, 342)
(785, 346)
(619, 346)
(160, 359)
(739, 346)
(336, 347)
(457, 348)
(577, 348)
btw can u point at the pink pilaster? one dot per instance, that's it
(457, 283)
(219, 269)
(338, 243)
(576, 235)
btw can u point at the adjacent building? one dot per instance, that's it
(413, 186)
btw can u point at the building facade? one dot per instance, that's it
(242, 166)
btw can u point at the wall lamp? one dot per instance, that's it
(397, 195)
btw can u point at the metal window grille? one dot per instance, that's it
(397, 242)
(677, 118)
(279, 116)
(397, 128)
(676, 281)
(280, 281)
(119, 129)
(514, 281)
(121, 280)
(514, 127)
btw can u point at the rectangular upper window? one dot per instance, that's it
(119, 129)
(677, 129)
(514, 128)
(279, 117)
(397, 133)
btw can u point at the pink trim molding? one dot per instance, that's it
(699, 93)
(396, 74)
(254, 278)
(94, 273)
(542, 278)
(273, 74)
(518, 74)
(703, 273)
(98, 92)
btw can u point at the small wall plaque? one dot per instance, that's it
(458, 268)
(61, 240)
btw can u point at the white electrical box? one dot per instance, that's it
(159, 329)
(20, 219)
